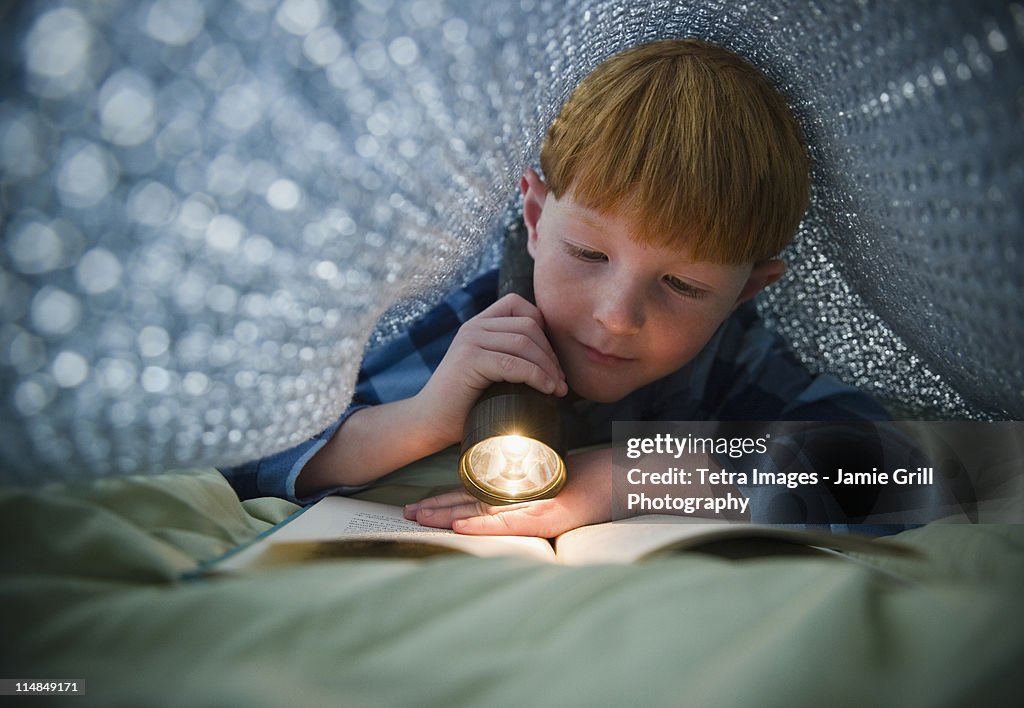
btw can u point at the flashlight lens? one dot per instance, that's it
(513, 467)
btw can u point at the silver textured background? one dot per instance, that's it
(207, 207)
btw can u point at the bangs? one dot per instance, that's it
(698, 154)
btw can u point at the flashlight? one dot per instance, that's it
(512, 444)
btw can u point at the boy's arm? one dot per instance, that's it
(373, 441)
(505, 342)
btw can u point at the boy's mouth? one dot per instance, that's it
(602, 357)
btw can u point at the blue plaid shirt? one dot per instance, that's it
(744, 373)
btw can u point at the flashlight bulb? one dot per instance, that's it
(515, 449)
(512, 467)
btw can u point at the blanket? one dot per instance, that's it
(95, 585)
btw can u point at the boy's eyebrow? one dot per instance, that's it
(587, 216)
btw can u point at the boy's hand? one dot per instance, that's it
(585, 499)
(505, 342)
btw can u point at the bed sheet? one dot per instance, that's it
(93, 586)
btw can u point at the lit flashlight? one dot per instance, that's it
(513, 445)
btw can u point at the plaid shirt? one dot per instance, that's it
(745, 372)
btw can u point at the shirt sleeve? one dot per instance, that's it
(275, 475)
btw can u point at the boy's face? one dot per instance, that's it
(620, 314)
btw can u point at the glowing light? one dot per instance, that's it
(513, 467)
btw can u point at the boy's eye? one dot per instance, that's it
(684, 288)
(585, 254)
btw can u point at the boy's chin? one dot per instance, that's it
(598, 392)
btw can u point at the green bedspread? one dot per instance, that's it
(91, 588)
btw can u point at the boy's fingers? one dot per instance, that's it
(518, 349)
(441, 517)
(521, 330)
(544, 518)
(510, 356)
(450, 508)
(452, 498)
(455, 496)
(501, 366)
(513, 305)
(506, 523)
(519, 344)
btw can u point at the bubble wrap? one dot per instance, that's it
(210, 208)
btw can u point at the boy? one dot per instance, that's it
(673, 176)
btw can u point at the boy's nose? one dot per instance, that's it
(619, 310)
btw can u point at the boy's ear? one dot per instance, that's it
(535, 192)
(762, 275)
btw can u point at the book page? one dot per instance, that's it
(634, 539)
(343, 527)
(627, 541)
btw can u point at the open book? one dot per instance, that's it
(338, 527)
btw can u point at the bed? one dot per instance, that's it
(99, 584)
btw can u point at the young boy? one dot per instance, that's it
(673, 176)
